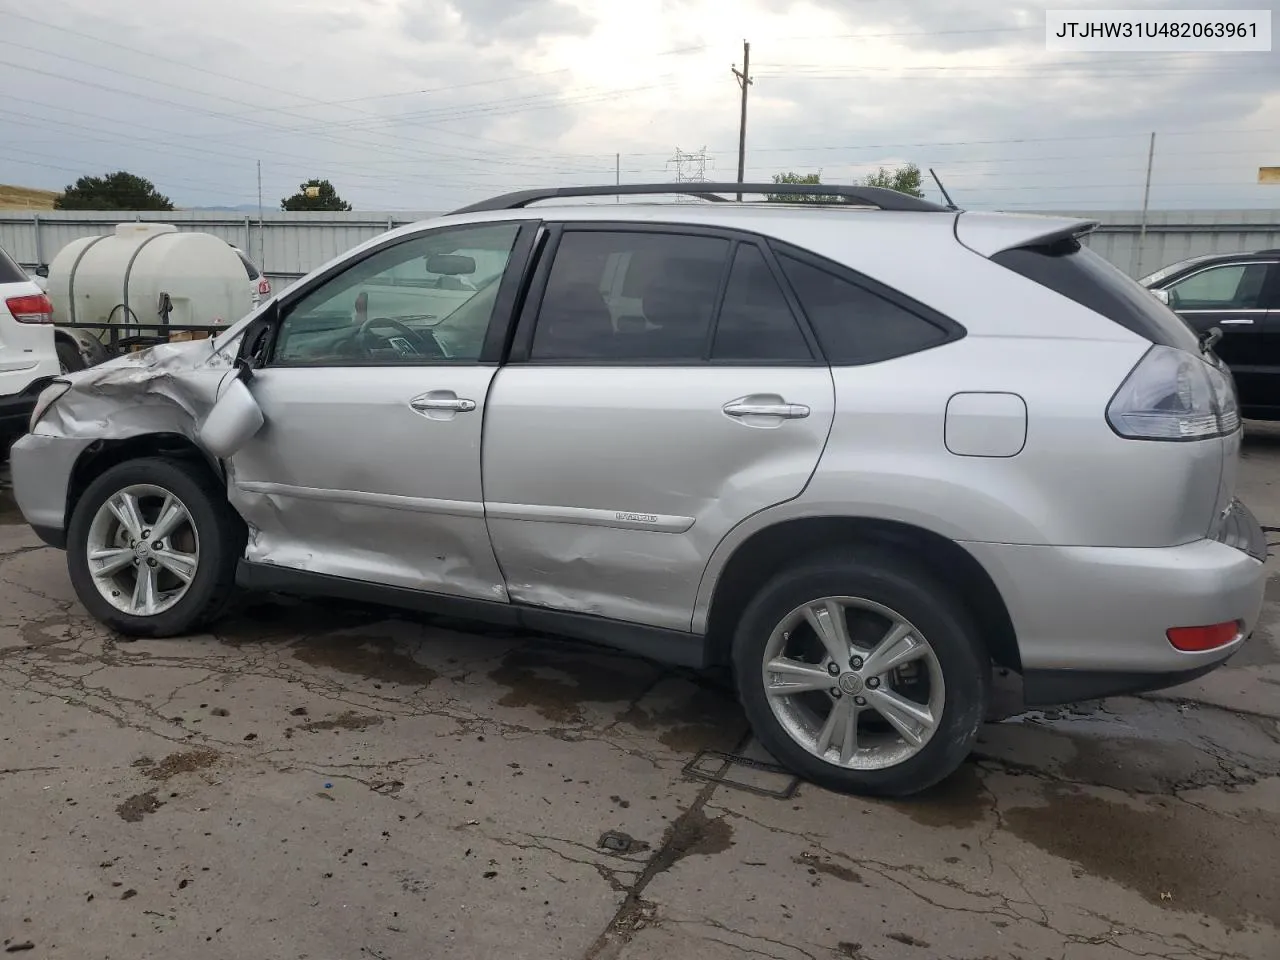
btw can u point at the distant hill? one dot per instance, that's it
(25, 198)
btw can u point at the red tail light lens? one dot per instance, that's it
(33, 309)
(1196, 639)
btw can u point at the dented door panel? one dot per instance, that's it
(364, 473)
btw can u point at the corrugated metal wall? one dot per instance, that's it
(289, 245)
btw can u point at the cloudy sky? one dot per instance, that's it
(427, 104)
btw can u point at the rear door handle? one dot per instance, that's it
(786, 411)
(1236, 322)
(456, 404)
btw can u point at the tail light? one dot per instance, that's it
(264, 286)
(1174, 395)
(36, 308)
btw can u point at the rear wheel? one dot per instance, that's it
(862, 673)
(69, 359)
(152, 547)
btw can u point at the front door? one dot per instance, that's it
(1231, 296)
(373, 395)
(660, 391)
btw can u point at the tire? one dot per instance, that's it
(69, 359)
(883, 583)
(213, 533)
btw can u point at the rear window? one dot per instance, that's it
(1073, 270)
(10, 272)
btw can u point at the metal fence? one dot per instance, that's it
(289, 245)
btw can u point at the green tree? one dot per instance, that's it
(115, 191)
(315, 195)
(791, 177)
(905, 179)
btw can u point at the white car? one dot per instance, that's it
(28, 357)
(259, 285)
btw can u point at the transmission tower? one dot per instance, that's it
(690, 167)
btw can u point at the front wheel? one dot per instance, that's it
(862, 673)
(152, 547)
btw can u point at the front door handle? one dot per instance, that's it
(746, 408)
(1236, 322)
(456, 404)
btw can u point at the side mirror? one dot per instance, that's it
(43, 271)
(232, 422)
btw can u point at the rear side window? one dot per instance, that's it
(853, 324)
(10, 272)
(620, 296)
(1077, 273)
(756, 322)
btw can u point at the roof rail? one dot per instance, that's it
(880, 197)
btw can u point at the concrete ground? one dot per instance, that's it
(318, 780)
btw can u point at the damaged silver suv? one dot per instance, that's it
(859, 452)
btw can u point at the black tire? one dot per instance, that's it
(890, 578)
(69, 358)
(222, 542)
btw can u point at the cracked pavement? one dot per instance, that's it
(321, 780)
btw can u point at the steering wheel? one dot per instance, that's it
(414, 338)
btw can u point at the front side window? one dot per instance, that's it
(428, 299)
(1233, 286)
(618, 296)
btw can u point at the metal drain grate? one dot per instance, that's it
(744, 772)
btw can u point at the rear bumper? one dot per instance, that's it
(1092, 621)
(15, 408)
(41, 468)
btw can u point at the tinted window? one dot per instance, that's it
(1079, 274)
(755, 321)
(10, 272)
(1234, 286)
(629, 296)
(852, 324)
(426, 299)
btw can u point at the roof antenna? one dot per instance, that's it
(946, 196)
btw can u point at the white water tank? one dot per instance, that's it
(119, 278)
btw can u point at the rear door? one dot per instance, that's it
(660, 390)
(373, 396)
(1230, 296)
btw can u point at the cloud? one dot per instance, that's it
(428, 104)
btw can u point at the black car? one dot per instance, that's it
(1240, 294)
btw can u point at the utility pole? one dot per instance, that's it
(1146, 198)
(617, 175)
(261, 261)
(744, 81)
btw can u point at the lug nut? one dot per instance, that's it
(873, 682)
(860, 701)
(856, 663)
(835, 692)
(833, 669)
(158, 545)
(145, 534)
(151, 563)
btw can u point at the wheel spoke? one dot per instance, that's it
(144, 591)
(181, 565)
(850, 742)
(109, 562)
(786, 677)
(827, 620)
(836, 726)
(898, 646)
(124, 506)
(913, 720)
(171, 515)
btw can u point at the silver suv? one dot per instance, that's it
(858, 452)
